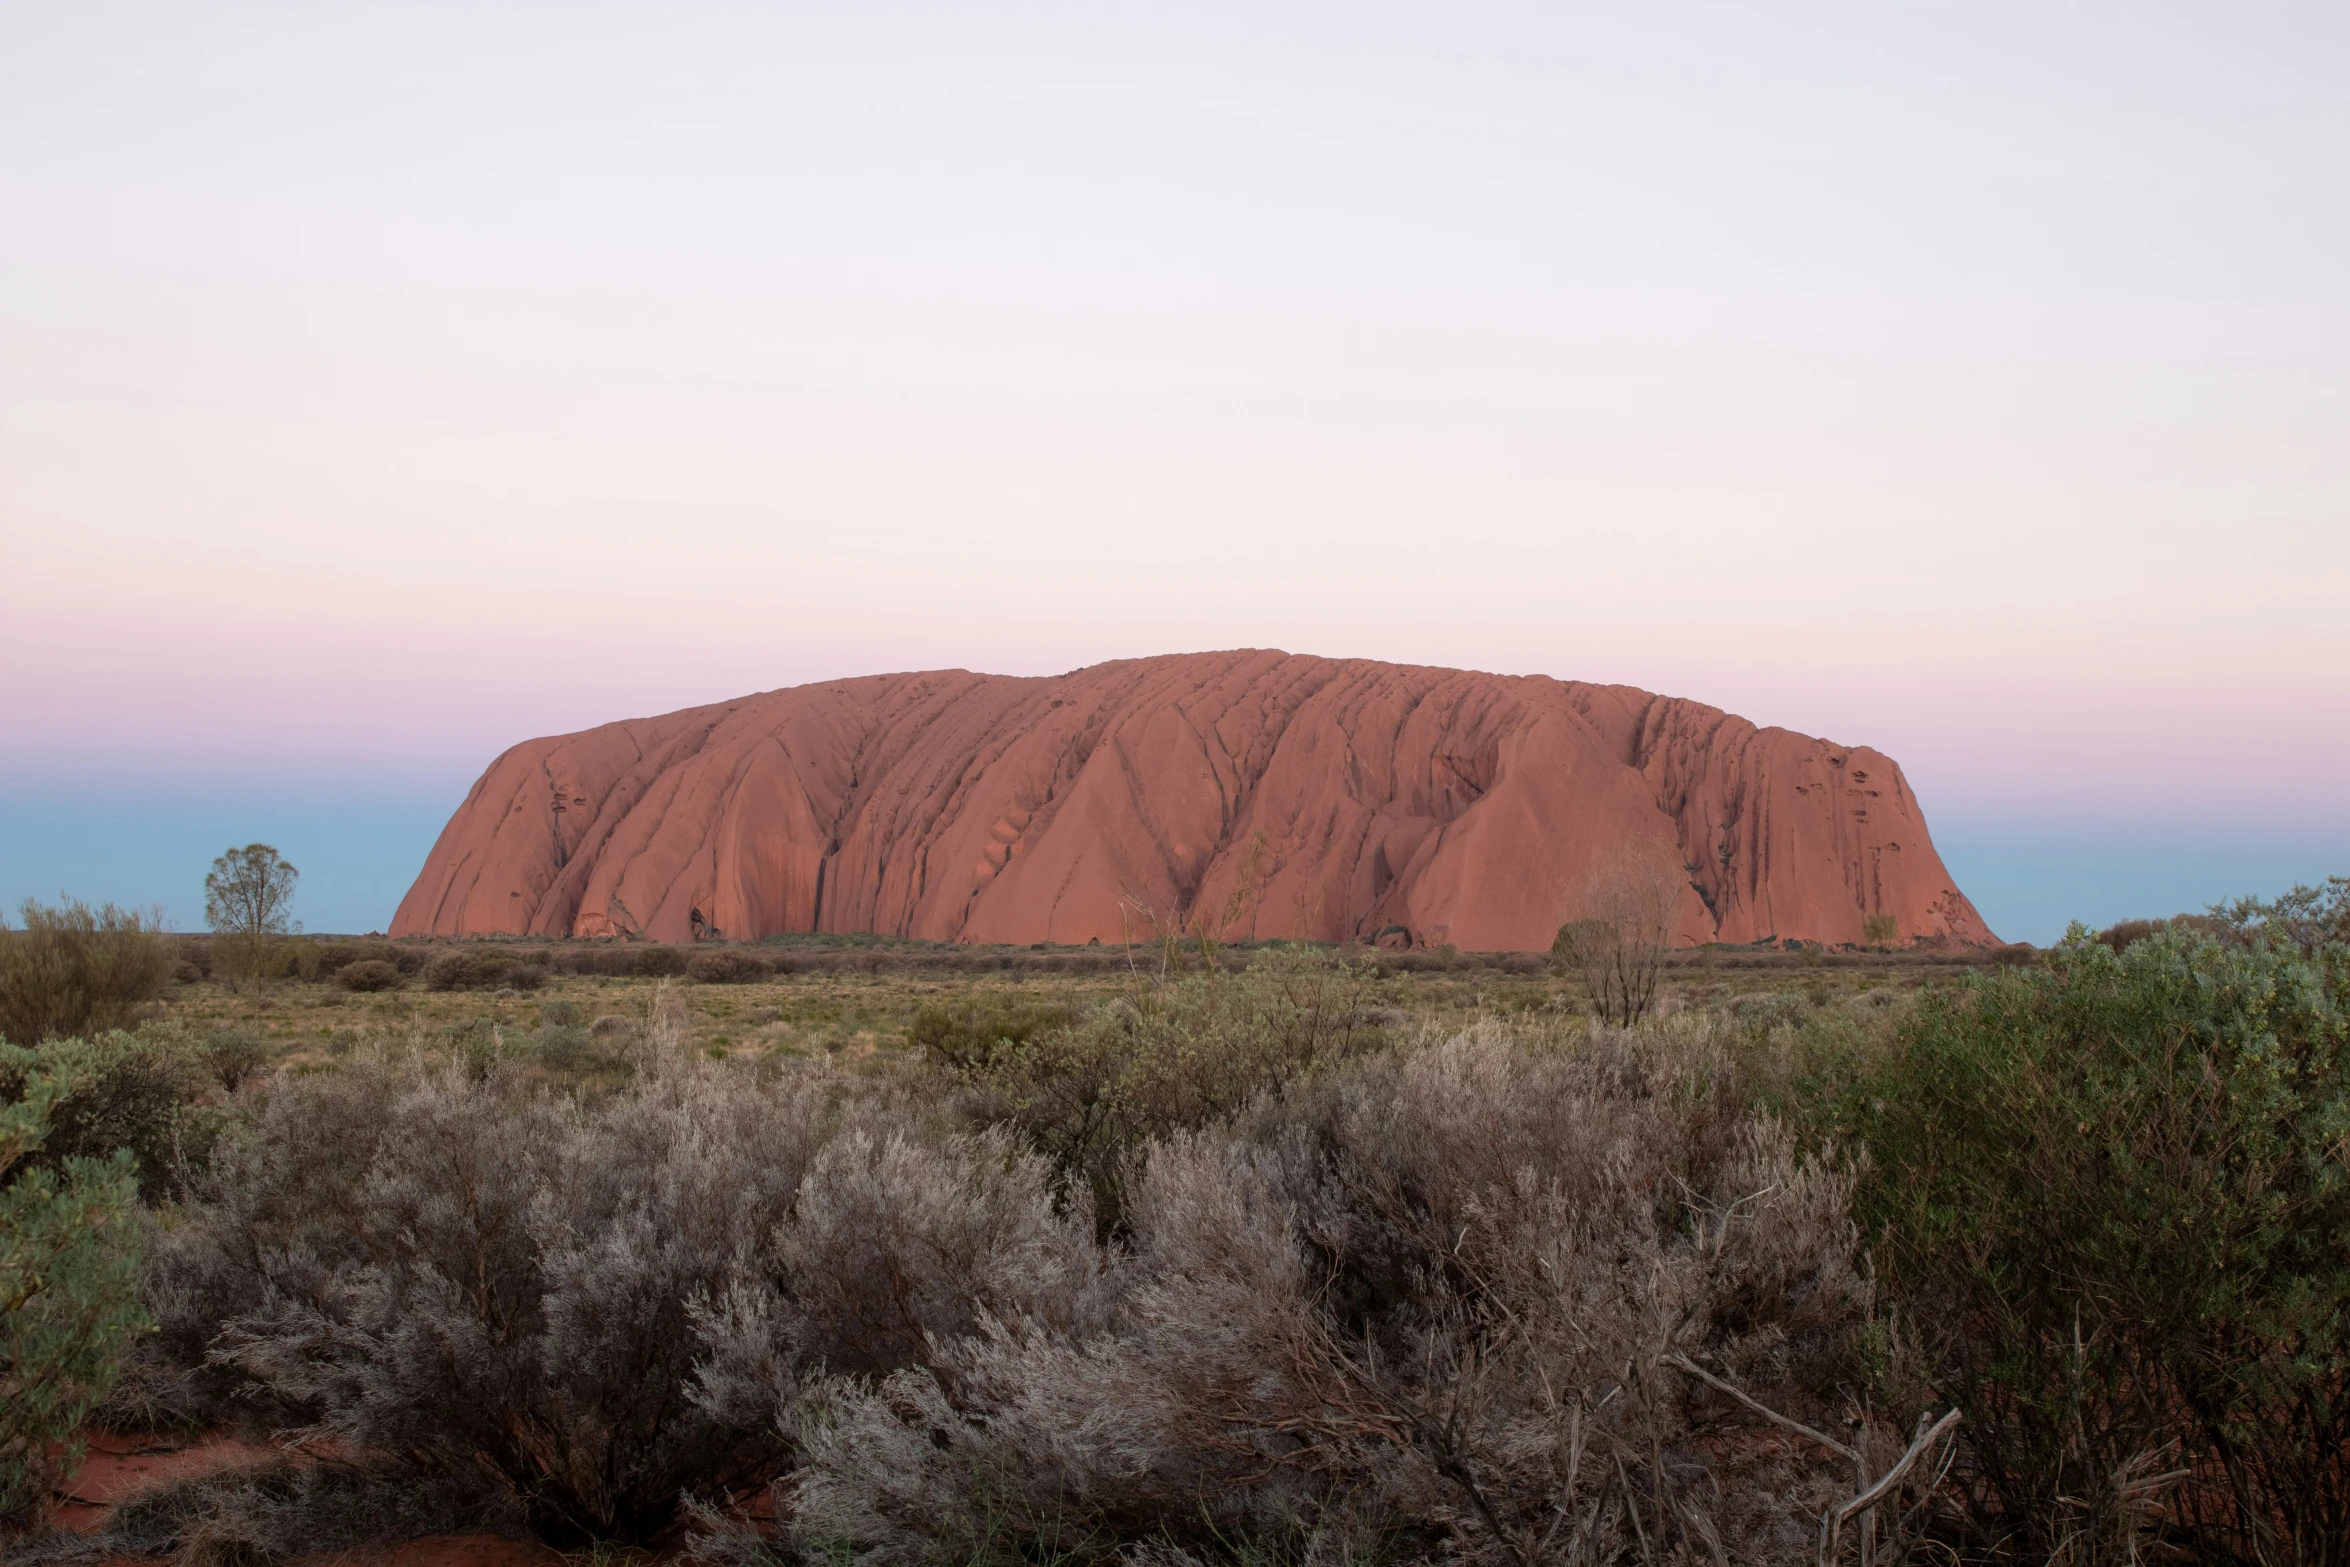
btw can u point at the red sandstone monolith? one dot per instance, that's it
(1255, 794)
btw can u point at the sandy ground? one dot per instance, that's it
(121, 1466)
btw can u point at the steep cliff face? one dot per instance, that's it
(1278, 796)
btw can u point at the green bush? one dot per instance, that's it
(230, 1055)
(74, 970)
(966, 1035)
(122, 1091)
(2111, 1195)
(564, 1047)
(69, 1271)
(1169, 1059)
(2306, 920)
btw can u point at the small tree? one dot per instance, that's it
(1618, 946)
(247, 900)
(1879, 930)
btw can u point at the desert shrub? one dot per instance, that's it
(1769, 1009)
(2306, 920)
(525, 976)
(565, 1047)
(230, 1055)
(967, 1034)
(2125, 933)
(1449, 1304)
(2110, 1194)
(600, 1306)
(1618, 946)
(470, 969)
(615, 960)
(272, 1207)
(506, 1285)
(68, 1274)
(558, 1014)
(368, 975)
(657, 963)
(895, 1251)
(603, 1306)
(74, 970)
(723, 967)
(1171, 1058)
(335, 956)
(125, 1091)
(613, 1030)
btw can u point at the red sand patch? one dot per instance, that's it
(121, 1466)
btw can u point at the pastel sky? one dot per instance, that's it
(381, 385)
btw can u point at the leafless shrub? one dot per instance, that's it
(1617, 943)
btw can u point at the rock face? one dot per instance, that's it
(1258, 793)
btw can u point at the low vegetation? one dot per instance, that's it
(2115, 1192)
(69, 1269)
(75, 970)
(869, 1252)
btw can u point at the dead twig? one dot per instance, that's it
(1683, 1363)
(1832, 1526)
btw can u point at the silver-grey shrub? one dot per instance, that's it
(512, 1292)
(1432, 1308)
(598, 1305)
(1430, 1301)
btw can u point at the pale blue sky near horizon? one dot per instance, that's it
(380, 386)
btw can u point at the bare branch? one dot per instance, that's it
(1832, 1526)
(1684, 1363)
